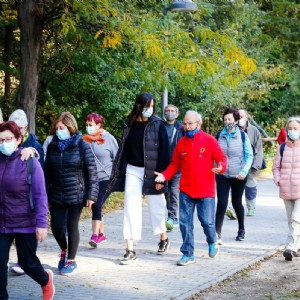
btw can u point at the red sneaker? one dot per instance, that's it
(49, 288)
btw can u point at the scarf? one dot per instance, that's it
(62, 145)
(94, 137)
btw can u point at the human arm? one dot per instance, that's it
(276, 168)
(248, 158)
(219, 157)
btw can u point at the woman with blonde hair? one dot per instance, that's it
(71, 182)
(286, 170)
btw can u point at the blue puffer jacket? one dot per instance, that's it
(156, 157)
(71, 175)
(32, 141)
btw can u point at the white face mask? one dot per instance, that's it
(147, 112)
(91, 129)
(242, 122)
(8, 148)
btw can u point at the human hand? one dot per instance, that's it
(26, 153)
(41, 234)
(218, 169)
(159, 186)
(240, 177)
(89, 203)
(160, 178)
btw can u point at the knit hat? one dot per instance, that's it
(19, 117)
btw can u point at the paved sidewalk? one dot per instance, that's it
(152, 276)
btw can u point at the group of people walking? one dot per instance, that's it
(177, 167)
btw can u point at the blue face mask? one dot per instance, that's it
(147, 112)
(63, 134)
(293, 134)
(8, 148)
(90, 129)
(191, 133)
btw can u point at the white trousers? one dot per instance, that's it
(293, 214)
(132, 228)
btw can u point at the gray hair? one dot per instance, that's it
(291, 119)
(171, 105)
(19, 117)
(196, 114)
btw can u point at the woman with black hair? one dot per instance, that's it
(143, 150)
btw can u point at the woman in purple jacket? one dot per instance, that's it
(20, 221)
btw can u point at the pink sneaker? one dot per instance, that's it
(94, 241)
(101, 238)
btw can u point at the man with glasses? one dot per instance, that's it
(175, 133)
(199, 157)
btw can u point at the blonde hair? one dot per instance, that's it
(68, 120)
(291, 119)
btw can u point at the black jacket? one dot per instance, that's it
(156, 157)
(71, 175)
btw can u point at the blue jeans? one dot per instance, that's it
(206, 216)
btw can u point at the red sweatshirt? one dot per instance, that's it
(195, 158)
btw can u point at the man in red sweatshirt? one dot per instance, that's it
(198, 157)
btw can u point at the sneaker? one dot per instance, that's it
(128, 257)
(101, 238)
(250, 212)
(63, 259)
(220, 242)
(69, 268)
(175, 223)
(163, 247)
(241, 235)
(213, 249)
(49, 288)
(94, 241)
(288, 254)
(186, 260)
(230, 213)
(17, 269)
(170, 224)
(296, 253)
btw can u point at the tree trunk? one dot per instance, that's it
(7, 59)
(30, 15)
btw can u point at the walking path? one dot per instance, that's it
(100, 276)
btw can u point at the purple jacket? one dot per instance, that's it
(15, 212)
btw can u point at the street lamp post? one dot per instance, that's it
(176, 6)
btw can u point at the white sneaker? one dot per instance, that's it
(220, 242)
(17, 269)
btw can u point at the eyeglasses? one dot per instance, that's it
(189, 123)
(8, 139)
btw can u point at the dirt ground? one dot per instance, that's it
(273, 278)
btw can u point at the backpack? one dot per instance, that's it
(29, 163)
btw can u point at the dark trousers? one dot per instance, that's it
(58, 215)
(102, 196)
(26, 245)
(237, 189)
(172, 197)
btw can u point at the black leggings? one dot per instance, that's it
(58, 215)
(237, 187)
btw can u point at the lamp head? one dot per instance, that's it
(183, 6)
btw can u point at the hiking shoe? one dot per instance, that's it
(101, 238)
(241, 235)
(175, 223)
(69, 268)
(163, 247)
(186, 260)
(230, 213)
(250, 213)
(94, 241)
(63, 259)
(288, 254)
(128, 257)
(49, 288)
(170, 224)
(213, 249)
(16, 269)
